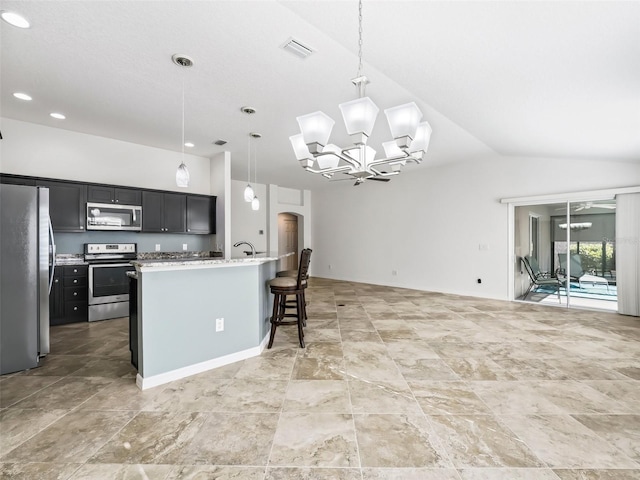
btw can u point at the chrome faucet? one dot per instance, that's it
(253, 249)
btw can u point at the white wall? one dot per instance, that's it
(38, 150)
(220, 182)
(428, 224)
(246, 223)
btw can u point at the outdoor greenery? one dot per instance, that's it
(591, 256)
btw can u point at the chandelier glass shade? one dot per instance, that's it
(410, 135)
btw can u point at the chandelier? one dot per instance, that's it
(410, 135)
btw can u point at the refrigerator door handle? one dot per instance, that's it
(53, 255)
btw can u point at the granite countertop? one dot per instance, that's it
(204, 262)
(70, 259)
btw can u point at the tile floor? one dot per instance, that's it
(394, 384)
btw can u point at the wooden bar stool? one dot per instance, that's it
(291, 303)
(281, 287)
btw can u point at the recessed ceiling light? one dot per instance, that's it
(189, 145)
(22, 96)
(59, 116)
(15, 19)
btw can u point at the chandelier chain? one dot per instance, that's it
(359, 38)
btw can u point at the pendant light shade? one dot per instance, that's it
(299, 147)
(403, 120)
(421, 141)
(255, 203)
(316, 127)
(182, 176)
(329, 161)
(359, 115)
(248, 193)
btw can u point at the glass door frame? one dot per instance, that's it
(566, 198)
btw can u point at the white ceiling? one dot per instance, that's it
(558, 79)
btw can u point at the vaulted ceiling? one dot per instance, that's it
(557, 79)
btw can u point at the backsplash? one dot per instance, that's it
(73, 243)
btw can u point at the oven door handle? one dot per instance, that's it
(101, 265)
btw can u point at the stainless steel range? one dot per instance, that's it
(108, 281)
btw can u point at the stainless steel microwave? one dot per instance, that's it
(107, 216)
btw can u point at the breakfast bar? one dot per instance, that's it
(197, 314)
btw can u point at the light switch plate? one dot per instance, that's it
(184, 247)
(157, 247)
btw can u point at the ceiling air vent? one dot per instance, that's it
(297, 48)
(220, 142)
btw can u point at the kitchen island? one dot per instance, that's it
(197, 314)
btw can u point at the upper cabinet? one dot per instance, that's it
(67, 202)
(109, 194)
(17, 180)
(163, 212)
(201, 214)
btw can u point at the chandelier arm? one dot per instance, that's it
(390, 160)
(342, 156)
(382, 174)
(328, 170)
(349, 159)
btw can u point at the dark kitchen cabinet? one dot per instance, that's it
(109, 194)
(163, 212)
(201, 214)
(67, 201)
(56, 299)
(17, 180)
(68, 301)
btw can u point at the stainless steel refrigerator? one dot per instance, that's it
(27, 254)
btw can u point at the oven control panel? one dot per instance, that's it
(110, 248)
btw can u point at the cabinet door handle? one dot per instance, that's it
(81, 227)
(75, 280)
(75, 294)
(75, 270)
(56, 280)
(117, 201)
(75, 309)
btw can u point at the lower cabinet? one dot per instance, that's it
(68, 301)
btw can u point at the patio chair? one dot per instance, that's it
(539, 278)
(577, 273)
(575, 266)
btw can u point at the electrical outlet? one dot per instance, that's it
(157, 247)
(219, 324)
(184, 247)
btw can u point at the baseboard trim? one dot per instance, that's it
(145, 383)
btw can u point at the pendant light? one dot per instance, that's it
(249, 194)
(255, 203)
(182, 174)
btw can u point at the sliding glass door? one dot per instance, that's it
(573, 263)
